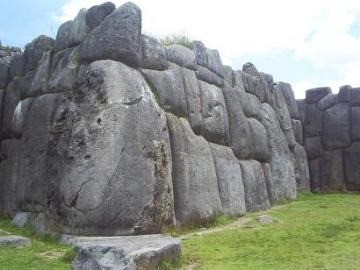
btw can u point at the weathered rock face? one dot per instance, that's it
(331, 129)
(256, 196)
(230, 180)
(106, 131)
(196, 192)
(117, 38)
(96, 177)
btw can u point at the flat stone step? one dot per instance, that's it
(14, 241)
(123, 252)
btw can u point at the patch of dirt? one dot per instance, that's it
(51, 255)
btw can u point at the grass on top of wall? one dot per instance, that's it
(313, 232)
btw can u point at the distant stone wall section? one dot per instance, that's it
(331, 130)
(106, 131)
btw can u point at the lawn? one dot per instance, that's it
(44, 254)
(314, 232)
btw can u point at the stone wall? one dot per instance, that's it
(331, 129)
(105, 131)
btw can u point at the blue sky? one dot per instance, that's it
(305, 43)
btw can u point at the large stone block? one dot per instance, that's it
(214, 62)
(301, 104)
(256, 196)
(193, 98)
(259, 140)
(332, 172)
(153, 54)
(72, 33)
(110, 163)
(314, 148)
(283, 185)
(298, 131)
(96, 14)
(125, 252)
(301, 169)
(10, 100)
(230, 182)
(239, 129)
(355, 96)
(168, 87)
(215, 127)
(39, 84)
(327, 102)
(351, 166)
(282, 112)
(181, 56)
(289, 99)
(117, 38)
(34, 51)
(4, 75)
(32, 185)
(19, 117)
(200, 53)
(196, 191)
(316, 94)
(315, 174)
(208, 76)
(336, 127)
(9, 170)
(355, 123)
(64, 70)
(313, 121)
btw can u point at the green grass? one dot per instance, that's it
(44, 254)
(314, 232)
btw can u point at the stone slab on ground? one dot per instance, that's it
(14, 241)
(123, 252)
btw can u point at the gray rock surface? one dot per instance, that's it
(336, 127)
(153, 54)
(39, 84)
(315, 174)
(332, 173)
(215, 126)
(181, 56)
(31, 191)
(14, 241)
(259, 140)
(298, 131)
(96, 14)
(168, 87)
(193, 98)
(196, 191)
(301, 104)
(214, 62)
(355, 123)
(118, 148)
(256, 196)
(351, 166)
(10, 100)
(282, 112)
(289, 99)
(230, 181)
(20, 114)
(72, 33)
(328, 101)
(64, 70)
(313, 121)
(316, 94)
(344, 94)
(314, 148)
(302, 175)
(239, 129)
(283, 185)
(34, 51)
(117, 38)
(355, 96)
(125, 253)
(208, 76)
(200, 53)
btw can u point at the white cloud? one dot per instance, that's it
(316, 31)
